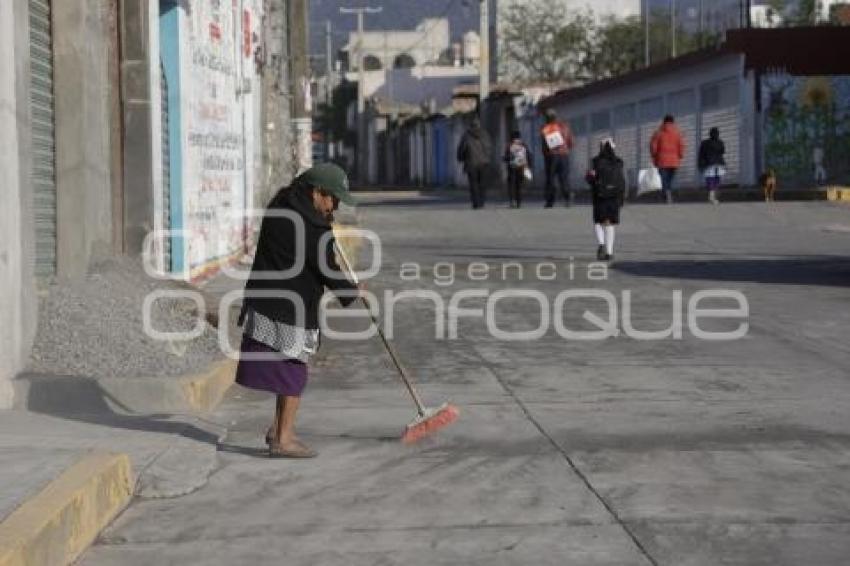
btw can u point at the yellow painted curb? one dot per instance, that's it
(205, 391)
(59, 523)
(838, 194)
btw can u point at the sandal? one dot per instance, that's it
(299, 451)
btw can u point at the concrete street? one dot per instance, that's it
(677, 452)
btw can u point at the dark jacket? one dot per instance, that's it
(529, 158)
(474, 148)
(276, 251)
(711, 152)
(607, 179)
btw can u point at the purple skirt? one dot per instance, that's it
(266, 370)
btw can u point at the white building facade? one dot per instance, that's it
(388, 49)
(712, 92)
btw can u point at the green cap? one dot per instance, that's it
(332, 179)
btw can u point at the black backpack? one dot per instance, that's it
(610, 180)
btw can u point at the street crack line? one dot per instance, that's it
(582, 476)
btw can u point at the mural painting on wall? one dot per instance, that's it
(807, 129)
(214, 163)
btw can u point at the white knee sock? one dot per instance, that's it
(600, 234)
(609, 239)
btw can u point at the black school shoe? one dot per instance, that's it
(600, 253)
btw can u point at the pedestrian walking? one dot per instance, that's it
(608, 189)
(711, 163)
(518, 160)
(281, 307)
(667, 149)
(474, 152)
(556, 140)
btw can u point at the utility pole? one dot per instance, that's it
(329, 86)
(701, 23)
(328, 62)
(300, 80)
(673, 28)
(484, 55)
(361, 93)
(646, 17)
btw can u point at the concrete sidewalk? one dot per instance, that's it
(674, 452)
(69, 470)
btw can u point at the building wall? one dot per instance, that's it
(142, 149)
(806, 133)
(81, 52)
(18, 304)
(425, 44)
(278, 165)
(216, 131)
(715, 93)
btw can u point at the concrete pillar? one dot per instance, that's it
(18, 303)
(276, 111)
(83, 157)
(140, 90)
(302, 122)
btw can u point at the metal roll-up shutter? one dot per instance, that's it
(166, 171)
(580, 156)
(43, 138)
(532, 138)
(727, 120)
(600, 130)
(647, 129)
(720, 109)
(626, 139)
(686, 176)
(682, 105)
(650, 113)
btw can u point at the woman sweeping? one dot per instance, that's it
(608, 187)
(281, 306)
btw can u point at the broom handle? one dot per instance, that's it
(420, 407)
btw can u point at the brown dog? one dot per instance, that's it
(768, 184)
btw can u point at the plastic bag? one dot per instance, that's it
(529, 176)
(649, 180)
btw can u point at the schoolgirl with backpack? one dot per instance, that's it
(518, 160)
(608, 186)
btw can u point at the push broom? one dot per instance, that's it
(428, 419)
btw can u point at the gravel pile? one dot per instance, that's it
(94, 327)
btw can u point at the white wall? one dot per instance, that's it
(18, 307)
(425, 44)
(735, 117)
(217, 170)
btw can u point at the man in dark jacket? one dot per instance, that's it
(474, 152)
(294, 263)
(711, 163)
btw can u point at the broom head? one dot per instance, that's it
(432, 421)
